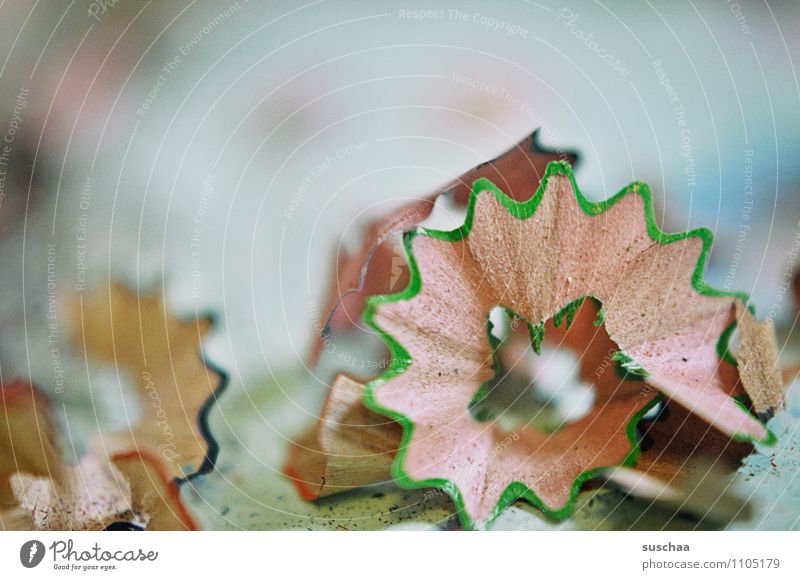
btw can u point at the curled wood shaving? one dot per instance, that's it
(349, 446)
(162, 355)
(536, 259)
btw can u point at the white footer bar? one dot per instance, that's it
(407, 555)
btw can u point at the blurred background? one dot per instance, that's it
(221, 151)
